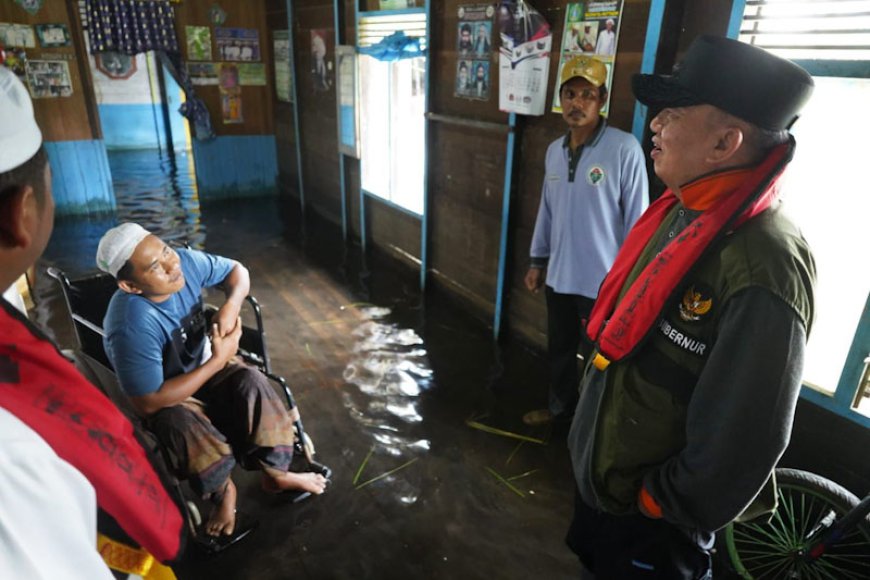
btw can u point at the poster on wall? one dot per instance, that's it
(53, 35)
(283, 70)
(238, 44)
(115, 65)
(524, 58)
(15, 59)
(231, 94)
(472, 79)
(202, 73)
(591, 28)
(474, 30)
(217, 15)
(30, 6)
(396, 4)
(321, 64)
(17, 35)
(198, 42)
(252, 74)
(48, 79)
(347, 78)
(474, 47)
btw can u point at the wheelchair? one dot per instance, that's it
(87, 300)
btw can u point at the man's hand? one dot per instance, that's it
(534, 279)
(225, 319)
(236, 286)
(647, 505)
(224, 347)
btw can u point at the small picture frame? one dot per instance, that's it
(53, 35)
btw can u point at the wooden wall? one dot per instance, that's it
(71, 118)
(285, 131)
(466, 165)
(257, 101)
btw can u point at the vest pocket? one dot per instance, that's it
(645, 426)
(656, 368)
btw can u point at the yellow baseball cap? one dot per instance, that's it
(591, 69)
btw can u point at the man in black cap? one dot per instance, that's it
(699, 327)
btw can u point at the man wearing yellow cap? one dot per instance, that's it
(595, 188)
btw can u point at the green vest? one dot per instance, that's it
(642, 417)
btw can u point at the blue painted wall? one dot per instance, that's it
(80, 177)
(141, 125)
(131, 126)
(177, 122)
(236, 166)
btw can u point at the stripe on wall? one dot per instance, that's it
(236, 166)
(81, 180)
(132, 126)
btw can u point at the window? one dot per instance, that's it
(825, 187)
(392, 114)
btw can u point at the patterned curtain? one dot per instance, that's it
(135, 26)
(131, 26)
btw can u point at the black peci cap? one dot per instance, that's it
(744, 80)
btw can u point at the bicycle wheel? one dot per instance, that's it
(808, 505)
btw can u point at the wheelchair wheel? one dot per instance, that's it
(808, 505)
(195, 515)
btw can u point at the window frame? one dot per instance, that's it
(391, 98)
(425, 177)
(840, 401)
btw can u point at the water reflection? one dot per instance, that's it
(152, 188)
(390, 371)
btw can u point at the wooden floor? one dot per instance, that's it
(396, 392)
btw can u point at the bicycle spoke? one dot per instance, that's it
(835, 572)
(810, 523)
(855, 559)
(781, 530)
(774, 569)
(760, 534)
(791, 513)
(825, 571)
(761, 556)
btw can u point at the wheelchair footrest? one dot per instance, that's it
(245, 525)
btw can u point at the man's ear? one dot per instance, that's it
(129, 287)
(727, 145)
(19, 216)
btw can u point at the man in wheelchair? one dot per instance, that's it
(207, 408)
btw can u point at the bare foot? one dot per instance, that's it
(313, 482)
(223, 518)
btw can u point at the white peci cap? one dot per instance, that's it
(117, 245)
(20, 137)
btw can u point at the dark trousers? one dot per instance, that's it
(565, 316)
(235, 416)
(635, 547)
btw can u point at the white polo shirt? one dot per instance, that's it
(587, 208)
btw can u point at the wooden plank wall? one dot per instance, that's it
(64, 118)
(285, 131)
(466, 165)
(257, 101)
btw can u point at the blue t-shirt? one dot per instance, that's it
(150, 342)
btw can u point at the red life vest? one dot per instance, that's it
(620, 326)
(45, 391)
